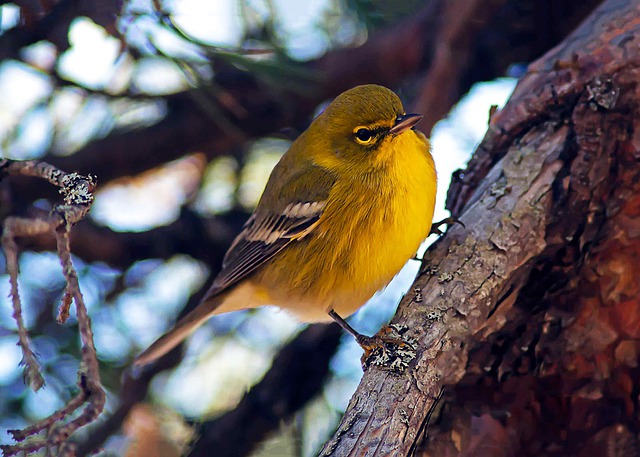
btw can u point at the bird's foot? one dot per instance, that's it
(435, 227)
(389, 349)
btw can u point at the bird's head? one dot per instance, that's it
(359, 128)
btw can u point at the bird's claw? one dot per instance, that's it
(389, 348)
(435, 227)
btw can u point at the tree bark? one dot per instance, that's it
(529, 316)
(388, 58)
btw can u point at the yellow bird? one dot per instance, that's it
(345, 208)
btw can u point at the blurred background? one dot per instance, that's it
(182, 108)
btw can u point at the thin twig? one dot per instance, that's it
(89, 375)
(47, 422)
(32, 374)
(77, 191)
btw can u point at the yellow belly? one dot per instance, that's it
(363, 239)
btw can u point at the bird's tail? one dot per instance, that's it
(182, 329)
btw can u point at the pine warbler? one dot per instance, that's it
(345, 208)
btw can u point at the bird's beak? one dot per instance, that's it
(405, 122)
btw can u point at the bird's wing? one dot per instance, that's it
(261, 239)
(291, 216)
(289, 210)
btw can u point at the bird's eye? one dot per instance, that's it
(363, 135)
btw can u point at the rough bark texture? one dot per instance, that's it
(537, 229)
(530, 314)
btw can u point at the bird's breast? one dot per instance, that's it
(369, 229)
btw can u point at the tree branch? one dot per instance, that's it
(297, 374)
(78, 196)
(542, 167)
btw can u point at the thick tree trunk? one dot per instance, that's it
(530, 316)
(519, 262)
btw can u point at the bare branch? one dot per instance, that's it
(546, 175)
(32, 369)
(48, 422)
(89, 375)
(77, 191)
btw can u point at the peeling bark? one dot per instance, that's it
(528, 315)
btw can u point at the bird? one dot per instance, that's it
(343, 210)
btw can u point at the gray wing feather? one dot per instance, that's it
(262, 238)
